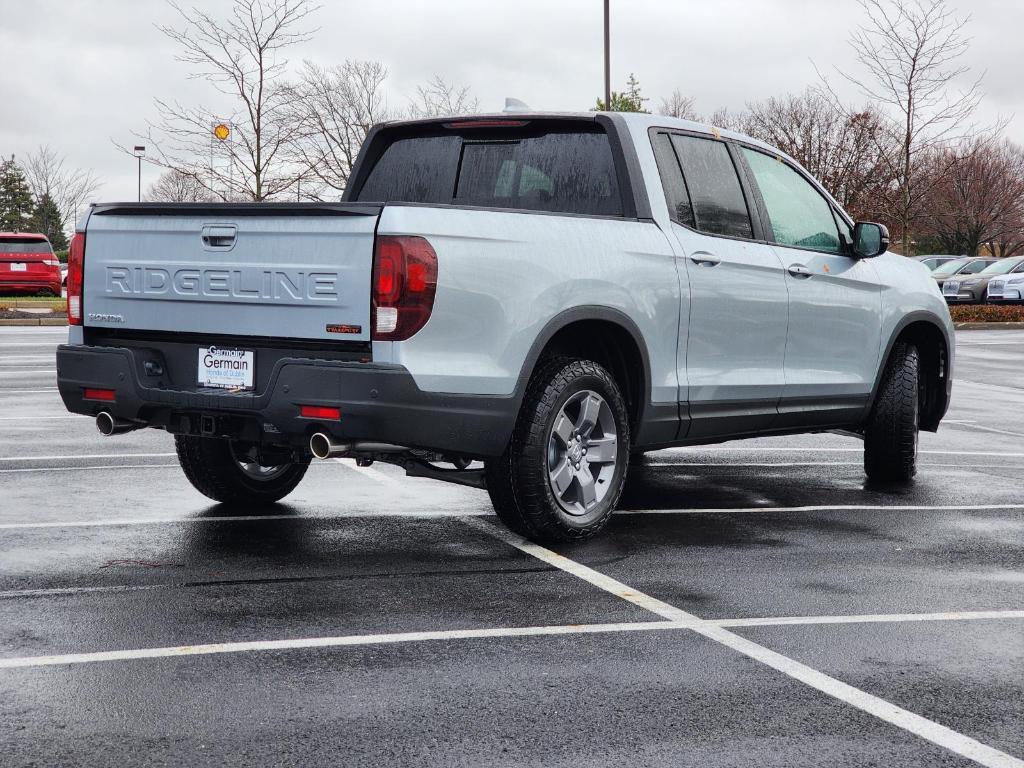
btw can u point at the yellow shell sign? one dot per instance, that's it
(221, 131)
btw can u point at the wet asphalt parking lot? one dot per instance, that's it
(754, 603)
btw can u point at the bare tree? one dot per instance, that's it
(70, 189)
(242, 56)
(334, 110)
(850, 151)
(439, 98)
(176, 186)
(679, 106)
(909, 52)
(978, 198)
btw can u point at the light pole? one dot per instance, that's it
(607, 57)
(140, 152)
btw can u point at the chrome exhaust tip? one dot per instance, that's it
(111, 425)
(323, 447)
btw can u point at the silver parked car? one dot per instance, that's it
(967, 265)
(973, 289)
(935, 260)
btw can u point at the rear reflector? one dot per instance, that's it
(319, 412)
(99, 394)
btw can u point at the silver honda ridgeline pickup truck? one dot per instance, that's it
(548, 294)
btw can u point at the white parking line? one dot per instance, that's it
(73, 457)
(88, 469)
(824, 508)
(973, 425)
(987, 385)
(329, 642)
(865, 618)
(44, 418)
(727, 464)
(866, 702)
(373, 474)
(803, 449)
(34, 391)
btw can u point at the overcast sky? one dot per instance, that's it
(78, 74)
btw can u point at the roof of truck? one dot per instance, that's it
(634, 120)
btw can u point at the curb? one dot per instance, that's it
(22, 303)
(54, 321)
(1008, 326)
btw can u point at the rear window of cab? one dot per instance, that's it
(556, 171)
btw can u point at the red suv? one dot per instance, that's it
(28, 265)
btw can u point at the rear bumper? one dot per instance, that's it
(377, 402)
(31, 286)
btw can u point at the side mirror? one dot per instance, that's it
(869, 240)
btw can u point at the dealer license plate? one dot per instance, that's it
(226, 368)
(18, 266)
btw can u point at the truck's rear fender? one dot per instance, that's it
(509, 281)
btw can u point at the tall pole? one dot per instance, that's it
(139, 152)
(607, 58)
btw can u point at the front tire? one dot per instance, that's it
(563, 471)
(229, 471)
(890, 437)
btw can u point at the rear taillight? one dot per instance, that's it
(404, 284)
(51, 262)
(76, 263)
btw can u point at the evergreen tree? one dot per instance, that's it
(16, 205)
(629, 100)
(47, 220)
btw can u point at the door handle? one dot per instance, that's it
(705, 259)
(799, 270)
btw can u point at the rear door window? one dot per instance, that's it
(558, 172)
(716, 196)
(676, 195)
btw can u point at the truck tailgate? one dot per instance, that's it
(275, 270)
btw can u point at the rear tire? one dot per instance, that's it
(228, 471)
(890, 437)
(563, 471)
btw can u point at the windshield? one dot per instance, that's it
(974, 267)
(1001, 267)
(949, 267)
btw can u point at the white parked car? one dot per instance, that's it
(1007, 289)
